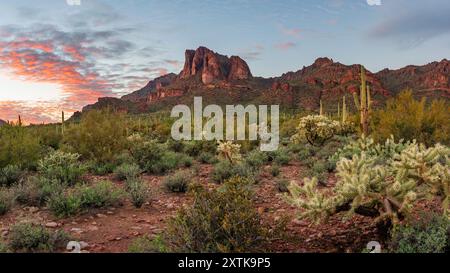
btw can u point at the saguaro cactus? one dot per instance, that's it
(344, 110)
(62, 122)
(321, 108)
(363, 103)
(19, 122)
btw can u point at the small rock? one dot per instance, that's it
(109, 212)
(51, 225)
(118, 239)
(5, 233)
(76, 230)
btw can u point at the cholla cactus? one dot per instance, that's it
(229, 151)
(315, 129)
(381, 181)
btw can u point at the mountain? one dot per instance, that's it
(2, 122)
(228, 80)
(431, 80)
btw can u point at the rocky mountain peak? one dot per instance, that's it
(210, 66)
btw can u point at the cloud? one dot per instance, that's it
(251, 53)
(293, 32)
(374, 2)
(86, 64)
(410, 23)
(285, 46)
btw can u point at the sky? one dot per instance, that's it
(58, 56)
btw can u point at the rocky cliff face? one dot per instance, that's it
(209, 66)
(434, 76)
(333, 77)
(151, 87)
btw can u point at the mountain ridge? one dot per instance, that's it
(206, 72)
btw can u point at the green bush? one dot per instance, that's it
(407, 118)
(139, 192)
(62, 166)
(101, 194)
(19, 147)
(154, 157)
(127, 171)
(195, 148)
(35, 191)
(145, 244)
(100, 135)
(207, 158)
(225, 170)
(280, 156)
(64, 205)
(6, 200)
(178, 182)
(30, 238)
(10, 175)
(430, 234)
(255, 159)
(100, 168)
(222, 220)
(69, 203)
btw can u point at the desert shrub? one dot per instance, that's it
(255, 159)
(224, 170)
(19, 147)
(381, 183)
(127, 171)
(30, 238)
(275, 170)
(207, 158)
(10, 175)
(62, 166)
(34, 191)
(283, 185)
(222, 220)
(6, 200)
(195, 148)
(101, 194)
(100, 135)
(154, 157)
(100, 168)
(145, 244)
(170, 161)
(49, 136)
(407, 118)
(280, 156)
(178, 182)
(138, 191)
(430, 234)
(64, 205)
(176, 146)
(315, 129)
(69, 203)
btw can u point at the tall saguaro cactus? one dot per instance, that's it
(62, 122)
(19, 122)
(321, 108)
(344, 110)
(363, 103)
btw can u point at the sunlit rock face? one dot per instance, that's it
(210, 66)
